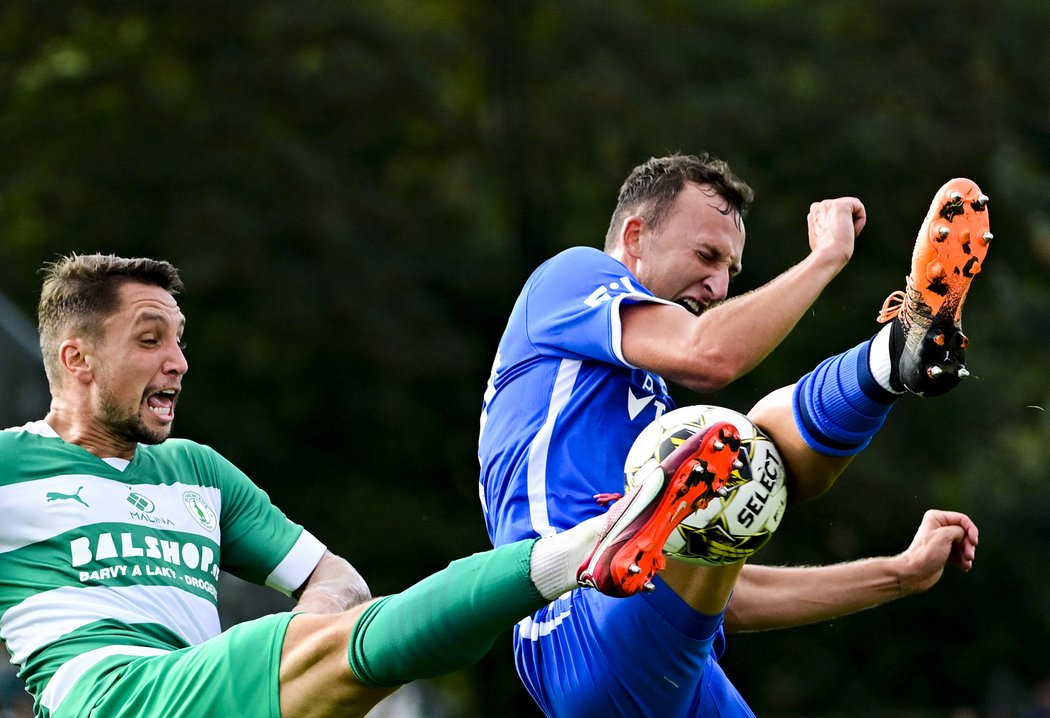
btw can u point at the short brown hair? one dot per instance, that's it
(79, 291)
(652, 187)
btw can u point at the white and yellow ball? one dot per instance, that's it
(743, 518)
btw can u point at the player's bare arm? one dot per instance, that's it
(731, 338)
(768, 597)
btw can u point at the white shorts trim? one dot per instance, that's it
(71, 671)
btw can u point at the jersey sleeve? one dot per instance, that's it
(573, 305)
(259, 543)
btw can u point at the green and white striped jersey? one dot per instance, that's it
(103, 557)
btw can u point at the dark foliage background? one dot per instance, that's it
(356, 191)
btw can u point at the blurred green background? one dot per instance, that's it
(355, 192)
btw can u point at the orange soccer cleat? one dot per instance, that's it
(927, 340)
(629, 551)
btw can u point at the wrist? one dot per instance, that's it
(829, 259)
(909, 577)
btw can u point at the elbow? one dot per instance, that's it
(720, 380)
(709, 376)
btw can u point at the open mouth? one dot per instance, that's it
(692, 306)
(162, 403)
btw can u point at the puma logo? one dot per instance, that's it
(57, 496)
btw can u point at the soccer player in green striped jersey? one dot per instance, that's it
(114, 534)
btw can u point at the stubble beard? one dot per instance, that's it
(127, 426)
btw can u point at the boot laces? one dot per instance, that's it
(892, 306)
(606, 499)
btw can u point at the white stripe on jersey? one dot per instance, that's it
(616, 322)
(66, 676)
(560, 395)
(49, 615)
(108, 502)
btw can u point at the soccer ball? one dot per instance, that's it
(741, 520)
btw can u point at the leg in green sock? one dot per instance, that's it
(447, 621)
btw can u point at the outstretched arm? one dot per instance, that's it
(730, 339)
(768, 597)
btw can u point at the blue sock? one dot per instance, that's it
(839, 406)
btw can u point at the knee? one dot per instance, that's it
(315, 673)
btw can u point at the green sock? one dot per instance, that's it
(447, 621)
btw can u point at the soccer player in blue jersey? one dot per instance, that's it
(581, 369)
(114, 534)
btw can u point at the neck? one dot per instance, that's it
(89, 436)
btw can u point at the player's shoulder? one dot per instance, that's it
(33, 443)
(578, 264)
(185, 458)
(582, 252)
(11, 437)
(29, 431)
(581, 255)
(177, 448)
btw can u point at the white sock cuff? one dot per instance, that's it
(879, 360)
(557, 558)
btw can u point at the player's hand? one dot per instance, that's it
(834, 225)
(943, 538)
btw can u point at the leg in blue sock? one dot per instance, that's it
(839, 406)
(820, 423)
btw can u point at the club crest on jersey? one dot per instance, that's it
(199, 509)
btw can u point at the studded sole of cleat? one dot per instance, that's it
(943, 347)
(694, 483)
(957, 234)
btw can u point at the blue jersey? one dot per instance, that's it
(563, 406)
(561, 410)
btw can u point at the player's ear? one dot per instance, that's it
(74, 360)
(631, 233)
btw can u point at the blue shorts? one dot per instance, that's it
(587, 654)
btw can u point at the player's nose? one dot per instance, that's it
(176, 363)
(716, 286)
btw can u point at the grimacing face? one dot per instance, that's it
(138, 366)
(691, 256)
